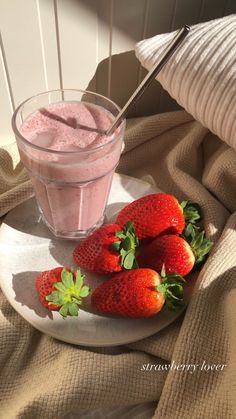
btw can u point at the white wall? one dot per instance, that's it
(47, 44)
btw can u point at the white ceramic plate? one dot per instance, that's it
(27, 247)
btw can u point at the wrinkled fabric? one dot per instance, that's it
(41, 377)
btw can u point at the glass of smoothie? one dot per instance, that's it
(70, 160)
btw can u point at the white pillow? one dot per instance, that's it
(201, 74)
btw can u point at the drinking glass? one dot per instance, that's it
(71, 187)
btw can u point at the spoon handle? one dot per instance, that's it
(150, 76)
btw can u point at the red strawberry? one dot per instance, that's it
(153, 215)
(137, 293)
(175, 253)
(45, 285)
(61, 289)
(108, 249)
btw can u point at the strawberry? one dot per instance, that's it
(45, 285)
(138, 293)
(108, 249)
(175, 253)
(153, 215)
(158, 214)
(61, 289)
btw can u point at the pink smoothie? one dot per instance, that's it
(72, 168)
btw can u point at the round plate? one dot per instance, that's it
(27, 247)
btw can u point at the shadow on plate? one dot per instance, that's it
(23, 285)
(26, 218)
(112, 211)
(139, 189)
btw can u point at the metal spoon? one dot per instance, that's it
(167, 53)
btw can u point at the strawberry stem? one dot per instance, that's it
(171, 286)
(199, 243)
(127, 245)
(192, 212)
(200, 246)
(69, 293)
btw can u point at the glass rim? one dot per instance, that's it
(44, 149)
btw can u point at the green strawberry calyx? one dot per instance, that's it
(69, 293)
(198, 242)
(126, 245)
(200, 245)
(192, 212)
(172, 287)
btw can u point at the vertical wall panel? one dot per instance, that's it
(160, 17)
(78, 41)
(230, 7)
(104, 44)
(187, 12)
(212, 9)
(21, 38)
(46, 19)
(159, 20)
(184, 12)
(128, 17)
(6, 105)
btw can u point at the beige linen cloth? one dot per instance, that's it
(41, 377)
